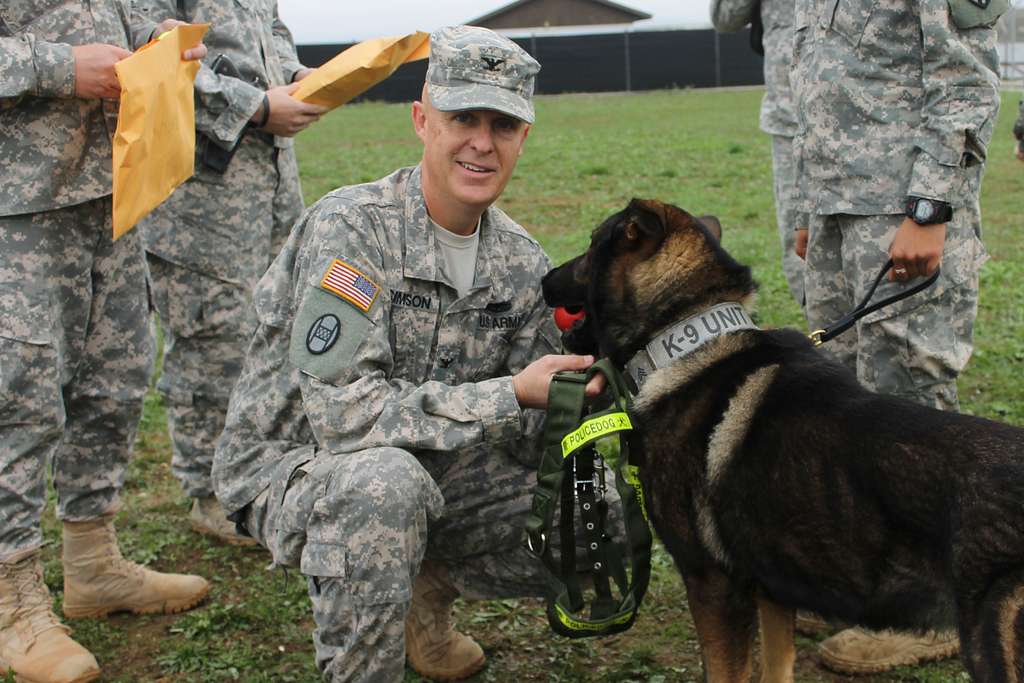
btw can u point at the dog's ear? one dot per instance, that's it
(644, 220)
(651, 218)
(713, 225)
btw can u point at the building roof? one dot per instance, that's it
(629, 13)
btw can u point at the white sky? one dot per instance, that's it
(326, 21)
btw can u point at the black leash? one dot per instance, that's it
(819, 337)
(572, 471)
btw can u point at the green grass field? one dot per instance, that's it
(585, 158)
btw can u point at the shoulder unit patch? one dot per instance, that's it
(348, 283)
(322, 334)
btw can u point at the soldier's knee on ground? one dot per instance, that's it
(359, 515)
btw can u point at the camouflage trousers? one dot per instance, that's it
(75, 357)
(359, 524)
(206, 324)
(917, 347)
(786, 197)
(207, 246)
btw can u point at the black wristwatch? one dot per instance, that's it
(924, 211)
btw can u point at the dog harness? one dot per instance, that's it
(686, 336)
(572, 471)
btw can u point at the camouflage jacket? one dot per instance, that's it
(252, 36)
(1018, 125)
(362, 342)
(56, 149)
(777, 115)
(893, 97)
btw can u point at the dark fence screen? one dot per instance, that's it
(608, 62)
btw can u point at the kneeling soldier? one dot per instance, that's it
(381, 436)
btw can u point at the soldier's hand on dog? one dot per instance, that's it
(532, 382)
(916, 250)
(288, 116)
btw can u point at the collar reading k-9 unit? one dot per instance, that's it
(924, 211)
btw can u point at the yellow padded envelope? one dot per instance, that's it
(155, 142)
(360, 67)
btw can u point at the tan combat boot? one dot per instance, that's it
(434, 648)
(208, 518)
(858, 651)
(33, 643)
(98, 580)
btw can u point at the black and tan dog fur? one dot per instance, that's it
(777, 483)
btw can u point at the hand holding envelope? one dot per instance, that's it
(360, 67)
(154, 145)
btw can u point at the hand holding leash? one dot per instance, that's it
(916, 250)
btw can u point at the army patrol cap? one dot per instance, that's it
(475, 68)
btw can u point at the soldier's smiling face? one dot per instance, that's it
(468, 156)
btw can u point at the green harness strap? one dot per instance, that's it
(571, 471)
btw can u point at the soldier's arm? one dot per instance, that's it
(961, 103)
(143, 20)
(732, 15)
(284, 44)
(537, 337)
(226, 105)
(34, 68)
(349, 393)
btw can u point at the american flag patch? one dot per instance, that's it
(351, 285)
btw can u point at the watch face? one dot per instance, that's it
(924, 211)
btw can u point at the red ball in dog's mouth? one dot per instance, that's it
(565, 317)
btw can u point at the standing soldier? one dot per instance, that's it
(380, 437)
(775, 17)
(896, 105)
(74, 336)
(209, 243)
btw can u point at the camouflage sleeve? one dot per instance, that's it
(350, 393)
(31, 67)
(225, 105)
(285, 46)
(1018, 125)
(537, 337)
(732, 15)
(961, 95)
(142, 24)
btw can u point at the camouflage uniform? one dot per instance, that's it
(353, 445)
(210, 242)
(894, 98)
(74, 343)
(777, 116)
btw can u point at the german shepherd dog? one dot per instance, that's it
(777, 482)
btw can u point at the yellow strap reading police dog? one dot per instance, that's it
(575, 624)
(593, 429)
